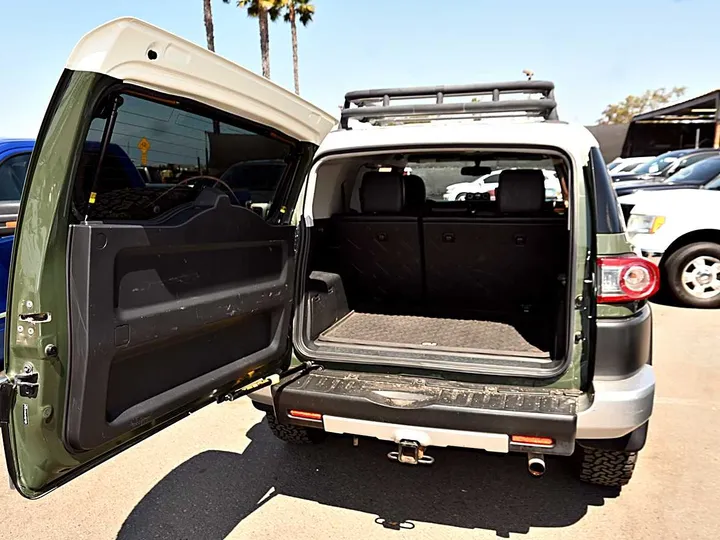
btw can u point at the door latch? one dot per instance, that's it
(27, 382)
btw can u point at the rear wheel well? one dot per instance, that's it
(702, 235)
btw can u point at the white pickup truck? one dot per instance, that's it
(680, 231)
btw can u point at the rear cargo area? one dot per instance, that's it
(464, 279)
(452, 335)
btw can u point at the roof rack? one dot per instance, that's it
(378, 104)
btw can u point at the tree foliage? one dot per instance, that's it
(623, 111)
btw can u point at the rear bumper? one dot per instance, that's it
(617, 408)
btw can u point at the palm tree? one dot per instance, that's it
(209, 29)
(264, 11)
(303, 10)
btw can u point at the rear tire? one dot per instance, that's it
(294, 434)
(611, 468)
(694, 259)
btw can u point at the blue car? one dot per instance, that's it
(14, 159)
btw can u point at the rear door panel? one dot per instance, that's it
(125, 315)
(164, 314)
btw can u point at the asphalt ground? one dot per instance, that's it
(221, 474)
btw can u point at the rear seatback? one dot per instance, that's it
(508, 260)
(380, 248)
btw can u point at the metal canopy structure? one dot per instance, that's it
(694, 123)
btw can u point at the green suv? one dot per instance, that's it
(335, 286)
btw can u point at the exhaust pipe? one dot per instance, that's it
(536, 464)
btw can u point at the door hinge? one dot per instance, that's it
(27, 382)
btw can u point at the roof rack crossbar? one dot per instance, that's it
(378, 103)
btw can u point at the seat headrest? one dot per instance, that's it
(415, 196)
(521, 190)
(382, 192)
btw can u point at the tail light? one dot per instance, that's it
(626, 279)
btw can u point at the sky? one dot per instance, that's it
(596, 52)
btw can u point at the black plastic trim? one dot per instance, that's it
(608, 216)
(623, 346)
(429, 402)
(141, 297)
(632, 442)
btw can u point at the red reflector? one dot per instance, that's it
(527, 439)
(626, 279)
(306, 415)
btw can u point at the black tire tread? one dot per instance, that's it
(294, 434)
(611, 468)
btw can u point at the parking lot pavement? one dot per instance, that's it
(221, 474)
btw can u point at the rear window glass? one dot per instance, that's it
(12, 177)
(161, 155)
(456, 180)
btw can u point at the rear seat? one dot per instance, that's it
(380, 248)
(508, 260)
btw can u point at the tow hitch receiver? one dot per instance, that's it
(412, 453)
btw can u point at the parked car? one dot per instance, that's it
(666, 165)
(680, 231)
(622, 166)
(14, 158)
(350, 306)
(695, 176)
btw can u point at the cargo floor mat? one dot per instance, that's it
(452, 335)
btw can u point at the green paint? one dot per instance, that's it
(40, 244)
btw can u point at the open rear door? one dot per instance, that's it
(145, 283)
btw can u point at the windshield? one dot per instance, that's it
(697, 174)
(658, 164)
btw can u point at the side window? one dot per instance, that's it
(12, 177)
(161, 155)
(693, 159)
(714, 184)
(608, 217)
(686, 162)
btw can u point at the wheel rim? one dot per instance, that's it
(701, 277)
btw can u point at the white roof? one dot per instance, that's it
(120, 49)
(572, 138)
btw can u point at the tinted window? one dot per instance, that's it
(697, 174)
(627, 168)
(162, 155)
(12, 177)
(608, 218)
(656, 165)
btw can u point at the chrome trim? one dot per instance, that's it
(618, 406)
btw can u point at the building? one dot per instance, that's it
(694, 123)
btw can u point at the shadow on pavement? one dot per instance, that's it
(208, 495)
